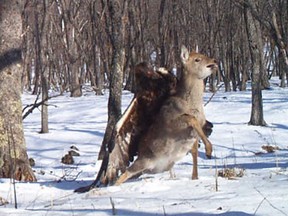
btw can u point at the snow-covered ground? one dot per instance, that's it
(80, 122)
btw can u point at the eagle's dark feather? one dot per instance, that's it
(152, 89)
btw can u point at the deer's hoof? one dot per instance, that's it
(208, 156)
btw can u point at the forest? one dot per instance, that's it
(67, 44)
(50, 48)
(74, 42)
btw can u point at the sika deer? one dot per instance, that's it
(177, 127)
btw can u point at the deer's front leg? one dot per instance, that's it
(208, 146)
(193, 122)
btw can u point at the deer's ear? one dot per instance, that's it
(184, 54)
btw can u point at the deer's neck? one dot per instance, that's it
(191, 90)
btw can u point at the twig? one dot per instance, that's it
(13, 164)
(164, 211)
(265, 199)
(213, 94)
(36, 105)
(114, 212)
(262, 137)
(67, 176)
(14, 170)
(37, 97)
(259, 205)
(216, 173)
(235, 162)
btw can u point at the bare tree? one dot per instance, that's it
(255, 47)
(118, 18)
(281, 44)
(93, 61)
(13, 154)
(101, 41)
(80, 49)
(275, 25)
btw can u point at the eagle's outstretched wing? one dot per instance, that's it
(152, 89)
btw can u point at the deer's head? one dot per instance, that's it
(196, 64)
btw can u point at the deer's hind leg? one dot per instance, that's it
(124, 177)
(137, 168)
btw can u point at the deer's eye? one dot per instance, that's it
(197, 59)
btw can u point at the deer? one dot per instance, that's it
(154, 87)
(178, 125)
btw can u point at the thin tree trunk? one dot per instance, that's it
(118, 15)
(97, 71)
(281, 46)
(253, 28)
(44, 107)
(76, 87)
(39, 69)
(161, 33)
(13, 154)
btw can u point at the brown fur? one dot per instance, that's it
(153, 88)
(173, 134)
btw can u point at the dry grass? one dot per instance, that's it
(270, 149)
(231, 173)
(3, 201)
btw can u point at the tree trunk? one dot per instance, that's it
(118, 15)
(281, 45)
(40, 68)
(97, 71)
(76, 87)
(44, 107)
(161, 34)
(253, 29)
(13, 154)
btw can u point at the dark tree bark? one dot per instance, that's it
(95, 68)
(13, 154)
(254, 37)
(118, 15)
(44, 107)
(268, 21)
(161, 34)
(283, 53)
(39, 11)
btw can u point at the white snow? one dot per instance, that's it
(263, 190)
